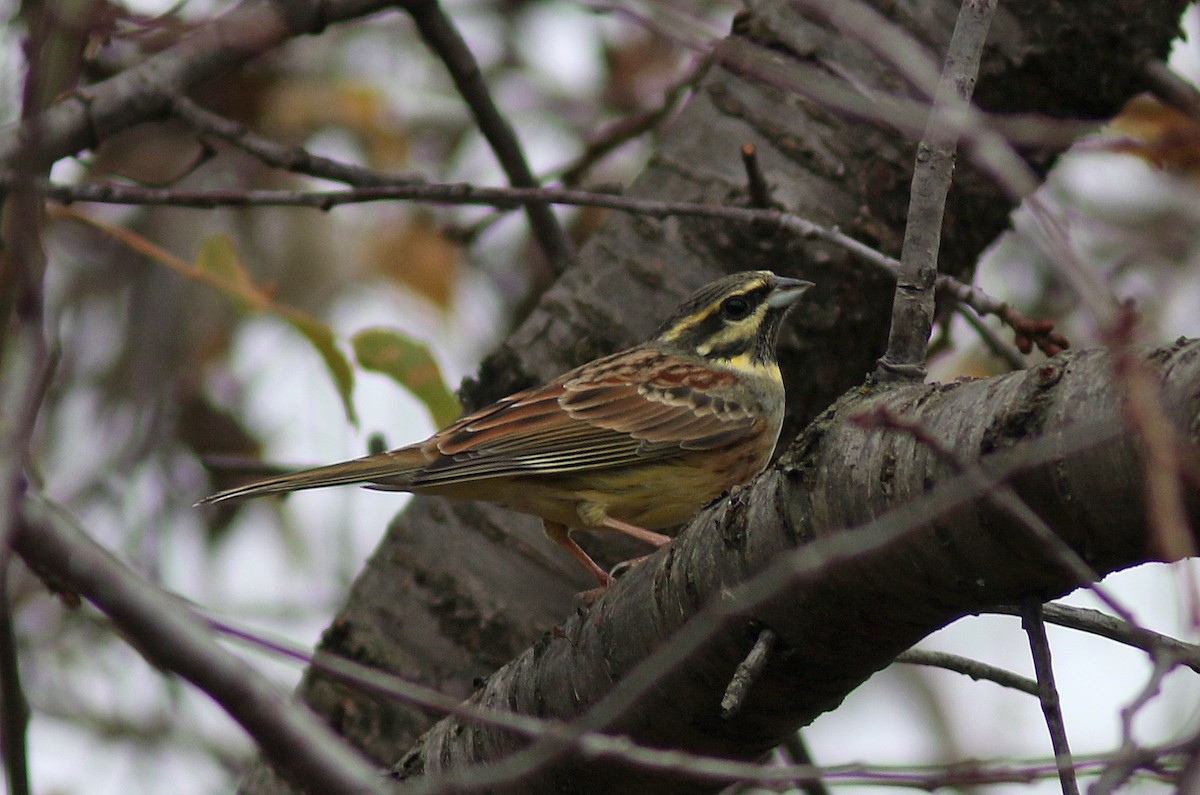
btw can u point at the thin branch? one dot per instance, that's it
(1031, 620)
(168, 634)
(439, 32)
(1128, 757)
(594, 745)
(756, 181)
(796, 748)
(1172, 89)
(746, 672)
(975, 669)
(1097, 623)
(462, 193)
(14, 707)
(86, 117)
(296, 159)
(1028, 332)
(30, 375)
(597, 745)
(452, 193)
(998, 347)
(989, 145)
(912, 309)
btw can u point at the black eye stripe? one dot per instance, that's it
(735, 307)
(741, 305)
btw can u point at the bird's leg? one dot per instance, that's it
(657, 540)
(561, 535)
(594, 514)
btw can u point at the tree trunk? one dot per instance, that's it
(456, 589)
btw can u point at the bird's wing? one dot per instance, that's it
(631, 407)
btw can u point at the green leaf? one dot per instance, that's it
(321, 337)
(219, 264)
(411, 365)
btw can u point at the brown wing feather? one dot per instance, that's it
(610, 413)
(632, 407)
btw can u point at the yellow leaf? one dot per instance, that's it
(218, 258)
(321, 337)
(411, 365)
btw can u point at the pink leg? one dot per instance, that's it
(562, 536)
(657, 540)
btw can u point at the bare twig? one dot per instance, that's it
(975, 669)
(439, 32)
(1172, 89)
(458, 193)
(1031, 620)
(912, 309)
(296, 159)
(14, 708)
(1028, 332)
(626, 129)
(991, 340)
(296, 742)
(1129, 757)
(597, 745)
(592, 744)
(796, 748)
(760, 191)
(989, 146)
(1116, 629)
(83, 119)
(746, 672)
(454, 193)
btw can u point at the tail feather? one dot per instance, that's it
(386, 469)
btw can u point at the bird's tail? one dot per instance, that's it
(389, 470)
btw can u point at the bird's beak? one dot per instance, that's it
(785, 291)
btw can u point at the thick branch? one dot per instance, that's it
(90, 115)
(913, 307)
(846, 602)
(456, 588)
(443, 38)
(299, 745)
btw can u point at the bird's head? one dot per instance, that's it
(735, 320)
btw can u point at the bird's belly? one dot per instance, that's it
(653, 495)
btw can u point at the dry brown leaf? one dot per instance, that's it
(1158, 134)
(419, 256)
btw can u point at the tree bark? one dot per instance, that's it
(454, 589)
(927, 545)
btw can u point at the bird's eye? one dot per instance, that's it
(735, 307)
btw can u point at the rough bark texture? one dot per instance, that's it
(454, 589)
(856, 609)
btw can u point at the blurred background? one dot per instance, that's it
(161, 374)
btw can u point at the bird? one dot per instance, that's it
(635, 442)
